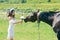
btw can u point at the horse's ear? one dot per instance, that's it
(38, 10)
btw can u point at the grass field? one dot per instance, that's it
(26, 31)
(27, 7)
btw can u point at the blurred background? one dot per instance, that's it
(29, 5)
(27, 31)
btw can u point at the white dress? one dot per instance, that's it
(11, 28)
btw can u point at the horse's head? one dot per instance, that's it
(32, 17)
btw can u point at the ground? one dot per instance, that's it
(26, 31)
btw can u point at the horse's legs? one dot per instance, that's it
(58, 35)
(56, 29)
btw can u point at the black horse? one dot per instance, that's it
(51, 18)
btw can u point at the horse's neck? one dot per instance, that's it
(45, 18)
(48, 21)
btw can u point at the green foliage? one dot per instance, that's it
(49, 0)
(29, 1)
(23, 1)
(2, 1)
(27, 8)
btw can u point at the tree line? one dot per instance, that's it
(21, 1)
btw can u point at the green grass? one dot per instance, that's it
(26, 31)
(30, 7)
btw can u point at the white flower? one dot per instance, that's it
(22, 18)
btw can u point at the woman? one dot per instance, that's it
(12, 21)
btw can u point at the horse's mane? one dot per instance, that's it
(54, 12)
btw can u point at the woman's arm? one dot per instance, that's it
(20, 21)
